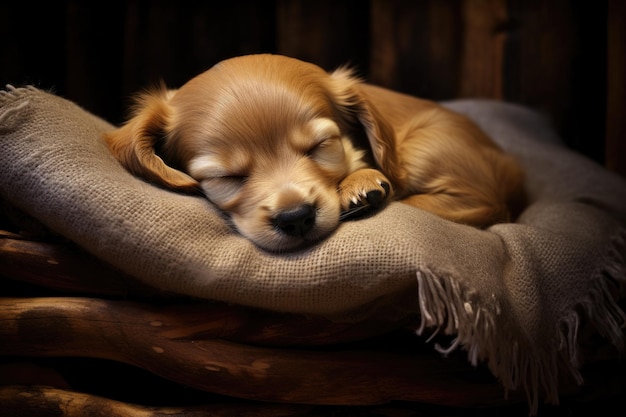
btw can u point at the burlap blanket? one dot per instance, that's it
(512, 295)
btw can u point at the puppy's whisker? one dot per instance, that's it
(354, 212)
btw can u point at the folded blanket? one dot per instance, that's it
(513, 295)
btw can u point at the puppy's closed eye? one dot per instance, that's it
(218, 183)
(327, 147)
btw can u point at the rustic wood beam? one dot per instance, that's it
(166, 345)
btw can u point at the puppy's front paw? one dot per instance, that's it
(363, 191)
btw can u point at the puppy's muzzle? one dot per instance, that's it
(297, 221)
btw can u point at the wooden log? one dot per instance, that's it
(64, 267)
(161, 344)
(200, 320)
(42, 401)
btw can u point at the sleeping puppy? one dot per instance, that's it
(287, 150)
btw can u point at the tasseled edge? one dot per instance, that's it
(11, 92)
(448, 308)
(8, 95)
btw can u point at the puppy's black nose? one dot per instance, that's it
(296, 222)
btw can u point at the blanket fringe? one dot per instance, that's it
(11, 93)
(447, 307)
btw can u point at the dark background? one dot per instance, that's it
(563, 58)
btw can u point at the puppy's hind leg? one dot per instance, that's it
(460, 209)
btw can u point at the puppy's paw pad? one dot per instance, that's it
(377, 198)
(363, 192)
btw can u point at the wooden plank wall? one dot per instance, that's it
(564, 58)
(616, 88)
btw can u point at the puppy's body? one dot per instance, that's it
(284, 147)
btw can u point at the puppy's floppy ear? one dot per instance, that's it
(134, 143)
(353, 105)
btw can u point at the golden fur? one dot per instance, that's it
(284, 148)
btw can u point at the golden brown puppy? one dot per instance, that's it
(285, 148)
